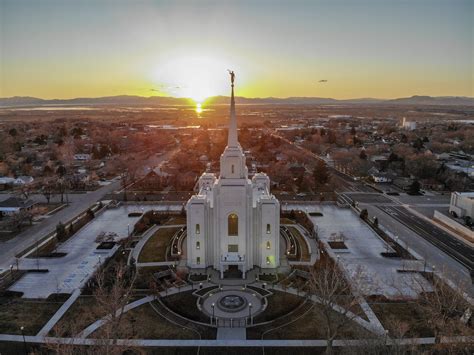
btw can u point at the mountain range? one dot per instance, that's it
(27, 101)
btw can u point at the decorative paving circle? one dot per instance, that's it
(232, 303)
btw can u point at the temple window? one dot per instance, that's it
(269, 230)
(198, 260)
(233, 225)
(269, 245)
(198, 228)
(198, 245)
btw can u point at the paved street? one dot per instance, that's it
(432, 254)
(443, 240)
(78, 204)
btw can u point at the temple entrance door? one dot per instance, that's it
(233, 272)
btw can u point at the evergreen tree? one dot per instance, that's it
(321, 173)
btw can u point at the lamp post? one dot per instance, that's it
(11, 271)
(128, 230)
(250, 313)
(213, 305)
(22, 329)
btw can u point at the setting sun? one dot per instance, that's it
(195, 76)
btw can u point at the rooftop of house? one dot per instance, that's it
(16, 202)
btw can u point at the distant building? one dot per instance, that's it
(82, 157)
(462, 204)
(381, 177)
(408, 125)
(23, 180)
(14, 205)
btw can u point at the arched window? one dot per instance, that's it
(198, 245)
(233, 224)
(269, 230)
(198, 229)
(232, 168)
(268, 245)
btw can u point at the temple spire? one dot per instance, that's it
(232, 139)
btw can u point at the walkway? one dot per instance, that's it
(60, 312)
(231, 342)
(231, 334)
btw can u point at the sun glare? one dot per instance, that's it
(198, 108)
(196, 77)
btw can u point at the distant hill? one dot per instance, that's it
(125, 100)
(431, 100)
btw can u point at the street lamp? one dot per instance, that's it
(11, 271)
(22, 328)
(213, 305)
(128, 230)
(250, 312)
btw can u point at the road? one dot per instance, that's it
(78, 203)
(435, 255)
(443, 240)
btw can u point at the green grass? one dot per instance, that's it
(32, 314)
(147, 324)
(312, 326)
(81, 314)
(279, 304)
(154, 249)
(184, 303)
(175, 220)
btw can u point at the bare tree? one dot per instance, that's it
(113, 291)
(48, 191)
(112, 295)
(336, 296)
(443, 308)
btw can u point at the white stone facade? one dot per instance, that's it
(233, 222)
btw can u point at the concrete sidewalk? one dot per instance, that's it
(60, 312)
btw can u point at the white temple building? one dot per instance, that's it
(233, 222)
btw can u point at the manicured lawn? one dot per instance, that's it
(147, 324)
(279, 304)
(184, 303)
(304, 256)
(175, 220)
(29, 313)
(312, 326)
(81, 314)
(155, 248)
